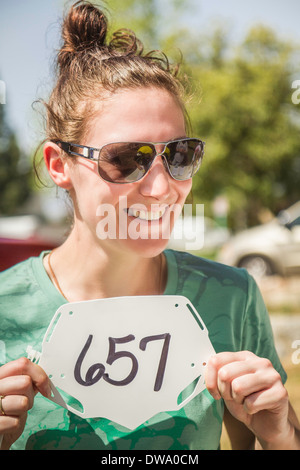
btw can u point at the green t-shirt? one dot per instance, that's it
(226, 298)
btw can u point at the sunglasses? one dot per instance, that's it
(128, 162)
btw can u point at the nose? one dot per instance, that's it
(156, 183)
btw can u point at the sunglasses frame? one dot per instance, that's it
(89, 153)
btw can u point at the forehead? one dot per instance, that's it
(144, 114)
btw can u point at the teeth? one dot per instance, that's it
(146, 215)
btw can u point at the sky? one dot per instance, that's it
(29, 35)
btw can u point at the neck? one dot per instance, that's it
(85, 272)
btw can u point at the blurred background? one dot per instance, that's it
(242, 63)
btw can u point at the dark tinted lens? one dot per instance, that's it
(125, 162)
(184, 158)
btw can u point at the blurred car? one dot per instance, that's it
(19, 240)
(271, 248)
(192, 233)
(13, 251)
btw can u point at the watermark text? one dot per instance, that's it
(296, 94)
(296, 353)
(157, 222)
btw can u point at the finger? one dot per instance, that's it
(16, 405)
(17, 385)
(241, 378)
(248, 384)
(24, 366)
(10, 423)
(218, 361)
(270, 399)
(228, 374)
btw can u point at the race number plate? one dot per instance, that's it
(127, 358)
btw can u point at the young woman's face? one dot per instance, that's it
(133, 216)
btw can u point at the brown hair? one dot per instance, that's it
(89, 67)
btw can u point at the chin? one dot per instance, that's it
(146, 248)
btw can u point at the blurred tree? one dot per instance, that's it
(140, 16)
(15, 174)
(248, 120)
(152, 20)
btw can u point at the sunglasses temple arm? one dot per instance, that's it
(88, 151)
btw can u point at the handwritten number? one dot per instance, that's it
(90, 378)
(97, 371)
(113, 356)
(163, 357)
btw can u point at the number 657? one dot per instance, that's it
(97, 371)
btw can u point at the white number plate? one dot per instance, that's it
(127, 358)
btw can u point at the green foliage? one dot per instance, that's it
(247, 119)
(152, 20)
(15, 176)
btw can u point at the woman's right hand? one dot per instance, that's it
(20, 381)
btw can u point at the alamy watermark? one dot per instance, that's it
(155, 222)
(296, 94)
(296, 353)
(2, 92)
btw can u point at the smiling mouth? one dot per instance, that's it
(146, 215)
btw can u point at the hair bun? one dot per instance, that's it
(84, 28)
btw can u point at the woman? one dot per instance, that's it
(109, 105)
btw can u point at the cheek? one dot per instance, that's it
(88, 193)
(90, 189)
(183, 189)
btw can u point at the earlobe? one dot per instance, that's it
(57, 166)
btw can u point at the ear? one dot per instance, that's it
(57, 166)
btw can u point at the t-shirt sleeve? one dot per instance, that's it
(257, 335)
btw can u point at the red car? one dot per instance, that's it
(12, 251)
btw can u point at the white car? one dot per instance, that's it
(271, 248)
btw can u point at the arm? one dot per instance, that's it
(255, 396)
(20, 380)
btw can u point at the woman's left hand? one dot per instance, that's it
(253, 393)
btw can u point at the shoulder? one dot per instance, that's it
(28, 299)
(17, 278)
(24, 280)
(197, 266)
(208, 284)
